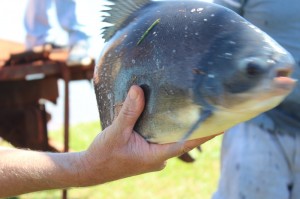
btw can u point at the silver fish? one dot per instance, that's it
(203, 68)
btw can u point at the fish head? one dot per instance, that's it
(245, 70)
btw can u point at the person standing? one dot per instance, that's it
(260, 159)
(39, 28)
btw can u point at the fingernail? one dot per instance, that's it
(133, 94)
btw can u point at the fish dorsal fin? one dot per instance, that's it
(119, 12)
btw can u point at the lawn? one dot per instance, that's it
(178, 180)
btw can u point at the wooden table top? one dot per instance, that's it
(39, 69)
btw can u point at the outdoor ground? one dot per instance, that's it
(178, 180)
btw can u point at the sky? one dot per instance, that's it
(82, 109)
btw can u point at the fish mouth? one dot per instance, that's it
(282, 79)
(284, 72)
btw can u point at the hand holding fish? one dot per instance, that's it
(116, 153)
(126, 153)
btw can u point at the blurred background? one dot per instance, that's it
(178, 181)
(81, 109)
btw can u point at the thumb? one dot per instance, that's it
(131, 109)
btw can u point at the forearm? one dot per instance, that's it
(23, 171)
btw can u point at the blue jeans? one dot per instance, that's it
(38, 21)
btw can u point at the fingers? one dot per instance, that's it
(177, 149)
(131, 109)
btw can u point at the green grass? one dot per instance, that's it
(178, 180)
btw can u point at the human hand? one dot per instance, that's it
(120, 152)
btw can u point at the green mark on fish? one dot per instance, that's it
(147, 31)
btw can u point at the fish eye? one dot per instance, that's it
(253, 69)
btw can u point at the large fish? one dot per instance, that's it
(203, 68)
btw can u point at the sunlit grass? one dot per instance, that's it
(178, 180)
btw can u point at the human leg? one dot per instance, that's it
(71, 20)
(37, 23)
(253, 166)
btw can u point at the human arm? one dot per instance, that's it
(116, 153)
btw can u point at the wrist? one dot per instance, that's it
(85, 171)
(79, 170)
(70, 170)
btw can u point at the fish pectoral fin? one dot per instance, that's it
(206, 113)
